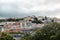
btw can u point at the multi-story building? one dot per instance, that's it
(15, 26)
(1, 27)
(22, 25)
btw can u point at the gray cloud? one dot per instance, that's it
(29, 7)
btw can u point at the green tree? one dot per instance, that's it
(45, 18)
(36, 21)
(5, 36)
(26, 37)
(50, 31)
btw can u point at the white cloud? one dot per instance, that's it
(27, 6)
(7, 1)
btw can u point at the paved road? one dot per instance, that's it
(17, 38)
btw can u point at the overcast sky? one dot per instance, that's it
(10, 8)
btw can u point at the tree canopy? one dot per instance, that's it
(50, 31)
(37, 21)
(5, 36)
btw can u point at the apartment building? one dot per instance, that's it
(22, 25)
(15, 26)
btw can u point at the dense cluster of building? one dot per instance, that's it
(26, 24)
